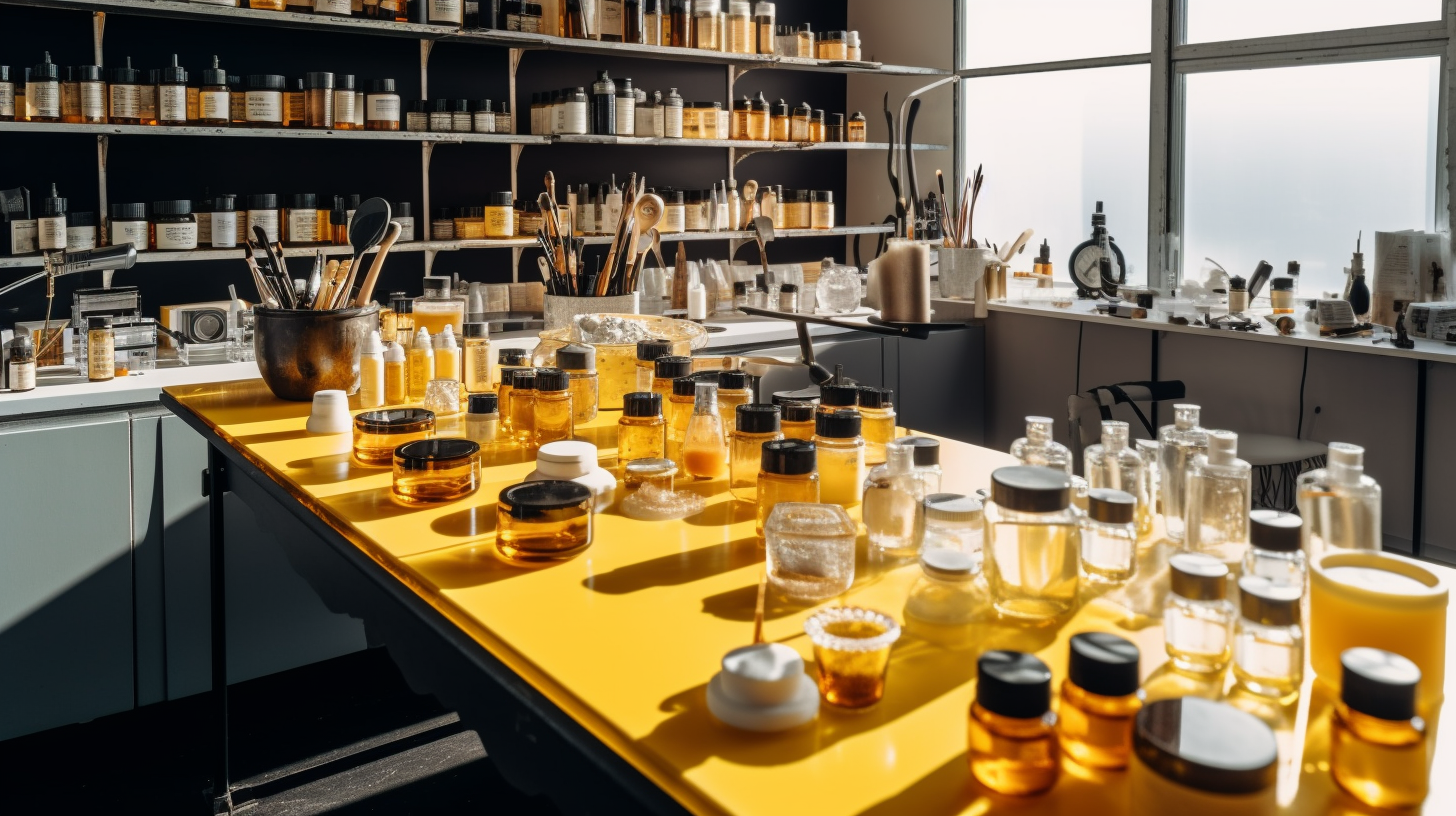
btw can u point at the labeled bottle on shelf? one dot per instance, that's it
(294, 99)
(1039, 449)
(1378, 746)
(626, 108)
(742, 34)
(817, 125)
(445, 12)
(124, 96)
(831, 46)
(1013, 744)
(787, 473)
(799, 125)
(852, 50)
(805, 42)
(1197, 616)
(264, 100)
(894, 503)
(90, 96)
(214, 98)
(7, 95)
(417, 116)
(223, 219)
(172, 95)
(100, 349)
(483, 118)
(604, 106)
(1340, 504)
(300, 220)
(1100, 700)
(128, 225)
(523, 405)
(1274, 548)
(673, 115)
(754, 425)
(1268, 640)
(1031, 512)
(835, 130)
(654, 22)
(705, 451)
(80, 231)
(679, 24)
(821, 210)
(1112, 464)
(43, 92)
(1178, 445)
(1216, 520)
(764, 25)
(51, 223)
(21, 362)
(381, 106)
(707, 25)
(779, 129)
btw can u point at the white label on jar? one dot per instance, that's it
(216, 105)
(343, 106)
(129, 232)
(7, 99)
(499, 222)
(265, 106)
(573, 117)
(126, 101)
(331, 7)
(224, 229)
(672, 219)
(93, 100)
(204, 229)
(22, 376)
(148, 96)
(611, 18)
(447, 11)
(23, 236)
(43, 99)
(642, 126)
(406, 227)
(674, 122)
(51, 232)
(417, 121)
(626, 116)
(80, 238)
(382, 108)
(268, 220)
(484, 122)
(460, 122)
(177, 236)
(695, 219)
(441, 122)
(503, 123)
(302, 225)
(172, 104)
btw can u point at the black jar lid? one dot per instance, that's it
(781, 108)
(384, 86)
(735, 380)
(652, 349)
(402, 209)
(214, 75)
(836, 120)
(837, 425)
(395, 421)
(45, 71)
(444, 214)
(1031, 489)
(1197, 576)
(788, 457)
(81, 219)
(88, 73)
(266, 82)
(1013, 684)
(125, 75)
(344, 82)
(440, 106)
(472, 213)
(303, 201)
(1103, 663)
(927, 450)
(546, 501)
(871, 397)
(577, 357)
(1281, 284)
(263, 201)
(792, 411)
(484, 106)
(174, 74)
(180, 206)
(671, 367)
(225, 203)
(642, 404)
(483, 404)
(476, 330)
(523, 379)
(740, 288)
(415, 106)
(837, 395)
(1378, 683)
(1274, 531)
(1265, 602)
(684, 386)
(130, 211)
(1206, 745)
(552, 379)
(503, 199)
(434, 454)
(511, 356)
(53, 205)
(788, 288)
(318, 81)
(757, 418)
(1111, 506)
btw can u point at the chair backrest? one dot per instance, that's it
(1087, 411)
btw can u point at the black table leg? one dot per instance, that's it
(215, 486)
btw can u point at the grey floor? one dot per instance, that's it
(346, 736)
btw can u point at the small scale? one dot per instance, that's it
(1097, 265)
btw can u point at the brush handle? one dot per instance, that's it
(366, 289)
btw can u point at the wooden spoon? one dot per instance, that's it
(645, 216)
(750, 192)
(366, 289)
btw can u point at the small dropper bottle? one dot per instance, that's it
(214, 99)
(43, 92)
(447, 355)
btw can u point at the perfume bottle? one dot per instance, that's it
(1216, 519)
(1013, 744)
(1197, 616)
(1340, 504)
(1274, 548)
(1109, 536)
(1038, 449)
(552, 411)
(1112, 464)
(1032, 546)
(1377, 743)
(733, 391)
(1100, 700)
(704, 451)
(1178, 444)
(641, 430)
(894, 503)
(1268, 641)
(841, 457)
(788, 472)
(877, 407)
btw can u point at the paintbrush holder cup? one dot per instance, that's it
(300, 351)
(560, 310)
(961, 269)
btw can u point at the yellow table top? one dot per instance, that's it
(625, 637)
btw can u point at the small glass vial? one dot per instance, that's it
(1274, 549)
(430, 471)
(787, 473)
(1268, 641)
(1378, 746)
(927, 460)
(894, 504)
(1109, 537)
(797, 420)
(673, 115)
(740, 119)
(764, 19)
(1112, 464)
(214, 98)
(1032, 543)
(841, 457)
(553, 410)
(707, 25)
(799, 125)
(174, 227)
(318, 101)
(543, 521)
(654, 22)
(381, 106)
(43, 92)
(854, 130)
(476, 354)
(954, 522)
(483, 118)
(482, 419)
(91, 95)
(805, 42)
(124, 96)
(834, 132)
(21, 362)
(877, 407)
(1178, 445)
(705, 451)
(421, 363)
(753, 426)
(522, 406)
(778, 122)
(51, 225)
(1197, 616)
(100, 349)
(263, 212)
(1038, 449)
(733, 391)
(580, 364)
(1100, 700)
(641, 430)
(1013, 744)
(442, 226)
(1340, 504)
(818, 128)
(1216, 520)
(679, 410)
(646, 366)
(264, 100)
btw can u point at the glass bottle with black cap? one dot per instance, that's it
(427, 471)
(1099, 700)
(1268, 641)
(679, 410)
(1197, 616)
(797, 420)
(1193, 756)
(927, 460)
(580, 362)
(543, 521)
(836, 396)
(1032, 543)
(641, 430)
(841, 457)
(733, 391)
(1109, 536)
(1377, 743)
(753, 426)
(482, 419)
(787, 473)
(877, 406)
(665, 370)
(1274, 548)
(553, 411)
(522, 405)
(647, 353)
(1013, 747)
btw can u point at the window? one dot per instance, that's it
(1215, 20)
(1027, 31)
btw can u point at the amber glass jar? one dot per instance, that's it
(378, 433)
(1012, 746)
(436, 470)
(1099, 700)
(641, 430)
(543, 521)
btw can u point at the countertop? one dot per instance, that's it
(624, 637)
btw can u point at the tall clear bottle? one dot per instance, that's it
(1178, 444)
(1216, 520)
(1038, 449)
(1112, 464)
(1032, 546)
(894, 503)
(1340, 504)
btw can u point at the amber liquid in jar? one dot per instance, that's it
(745, 454)
(1012, 755)
(553, 416)
(1096, 730)
(1380, 762)
(774, 488)
(641, 438)
(852, 679)
(542, 532)
(436, 470)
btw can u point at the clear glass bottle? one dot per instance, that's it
(946, 592)
(1274, 549)
(818, 128)
(641, 430)
(482, 419)
(1178, 444)
(854, 130)
(841, 457)
(733, 391)
(954, 522)
(927, 460)
(673, 114)
(646, 367)
(1378, 746)
(1038, 448)
(805, 42)
(1109, 537)
(438, 308)
(553, 410)
(705, 451)
(787, 473)
(523, 406)
(780, 127)
(1340, 504)
(21, 362)
(1197, 616)
(667, 369)
(764, 19)
(100, 349)
(1151, 487)
(877, 407)
(1114, 465)
(476, 356)
(1100, 700)
(799, 123)
(580, 362)
(753, 426)
(894, 503)
(1216, 520)
(797, 420)
(742, 36)
(707, 25)
(1013, 744)
(1032, 543)
(1268, 641)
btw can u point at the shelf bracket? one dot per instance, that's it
(427, 150)
(103, 144)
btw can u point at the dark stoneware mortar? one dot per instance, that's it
(302, 351)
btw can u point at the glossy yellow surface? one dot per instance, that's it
(626, 636)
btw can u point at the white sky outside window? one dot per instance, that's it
(1288, 164)
(1017, 32)
(1216, 20)
(1053, 144)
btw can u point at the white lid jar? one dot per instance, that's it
(576, 461)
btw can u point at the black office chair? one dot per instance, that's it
(1087, 411)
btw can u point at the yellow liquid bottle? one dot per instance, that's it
(705, 454)
(553, 411)
(787, 473)
(754, 425)
(1378, 746)
(841, 458)
(641, 430)
(421, 364)
(1013, 747)
(1099, 700)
